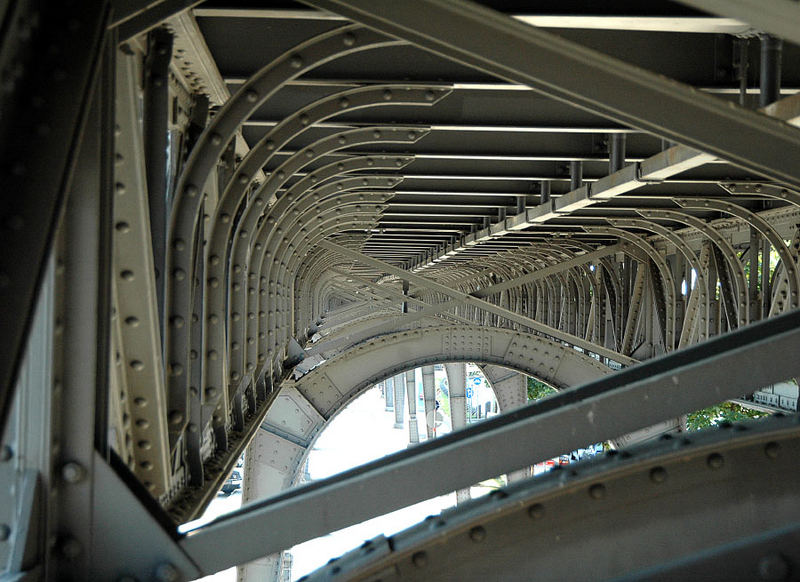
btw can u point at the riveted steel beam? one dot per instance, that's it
(734, 265)
(764, 228)
(664, 387)
(136, 306)
(190, 189)
(631, 500)
(494, 43)
(41, 134)
(667, 312)
(485, 305)
(655, 169)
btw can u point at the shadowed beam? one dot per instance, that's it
(499, 45)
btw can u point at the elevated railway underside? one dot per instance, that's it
(223, 220)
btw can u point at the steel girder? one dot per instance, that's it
(714, 483)
(713, 370)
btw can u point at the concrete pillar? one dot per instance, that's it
(399, 383)
(457, 382)
(411, 391)
(429, 392)
(388, 393)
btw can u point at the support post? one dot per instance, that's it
(456, 383)
(770, 81)
(399, 382)
(411, 392)
(575, 175)
(616, 159)
(429, 393)
(156, 124)
(545, 192)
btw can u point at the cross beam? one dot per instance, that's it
(497, 44)
(480, 303)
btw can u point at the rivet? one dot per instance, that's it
(146, 465)
(715, 461)
(126, 275)
(344, 103)
(179, 274)
(5, 532)
(166, 572)
(136, 365)
(296, 61)
(213, 282)
(122, 226)
(6, 453)
(191, 190)
(251, 96)
(216, 139)
(349, 39)
(536, 511)
(140, 401)
(70, 548)
(773, 567)
(178, 244)
(420, 559)
(132, 321)
(175, 369)
(142, 423)
(477, 534)
(176, 321)
(376, 134)
(658, 474)
(145, 445)
(771, 449)
(597, 491)
(210, 392)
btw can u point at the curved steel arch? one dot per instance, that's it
(334, 383)
(302, 408)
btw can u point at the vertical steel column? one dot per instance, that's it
(388, 394)
(83, 259)
(766, 292)
(457, 383)
(411, 392)
(770, 82)
(399, 384)
(755, 243)
(429, 392)
(616, 159)
(575, 175)
(545, 192)
(156, 126)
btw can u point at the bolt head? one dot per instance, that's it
(167, 573)
(73, 472)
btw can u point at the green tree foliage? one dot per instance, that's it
(713, 415)
(537, 389)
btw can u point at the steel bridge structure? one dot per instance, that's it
(222, 221)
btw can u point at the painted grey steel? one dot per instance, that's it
(775, 16)
(492, 42)
(38, 147)
(695, 480)
(421, 281)
(702, 375)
